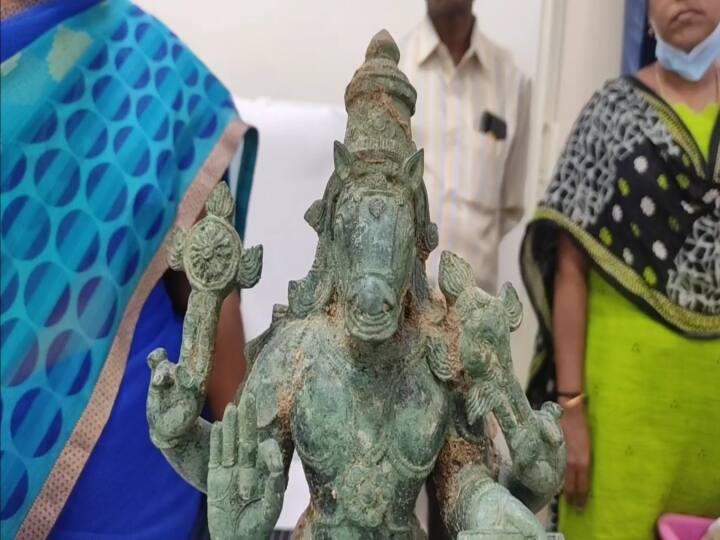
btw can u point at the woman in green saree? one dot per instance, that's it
(622, 261)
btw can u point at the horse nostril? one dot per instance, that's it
(372, 298)
(367, 302)
(372, 304)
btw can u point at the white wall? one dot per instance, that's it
(592, 53)
(308, 50)
(284, 49)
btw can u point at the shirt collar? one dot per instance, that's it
(430, 41)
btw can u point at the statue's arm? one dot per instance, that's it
(471, 500)
(489, 384)
(212, 257)
(189, 452)
(229, 367)
(250, 451)
(189, 455)
(533, 437)
(177, 391)
(535, 472)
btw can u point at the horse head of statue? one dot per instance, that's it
(373, 222)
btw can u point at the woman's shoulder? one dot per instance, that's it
(613, 120)
(614, 93)
(619, 103)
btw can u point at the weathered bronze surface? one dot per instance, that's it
(375, 380)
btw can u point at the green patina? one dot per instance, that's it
(376, 381)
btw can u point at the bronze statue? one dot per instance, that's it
(375, 380)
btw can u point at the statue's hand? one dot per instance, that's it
(246, 480)
(174, 399)
(538, 450)
(491, 512)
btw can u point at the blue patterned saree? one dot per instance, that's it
(112, 133)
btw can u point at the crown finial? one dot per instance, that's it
(383, 45)
(380, 101)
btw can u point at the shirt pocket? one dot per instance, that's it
(486, 171)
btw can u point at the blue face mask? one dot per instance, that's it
(689, 65)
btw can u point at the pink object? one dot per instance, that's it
(680, 527)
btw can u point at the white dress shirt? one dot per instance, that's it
(475, 181)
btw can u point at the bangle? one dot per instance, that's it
(569, 394)
(573, 401)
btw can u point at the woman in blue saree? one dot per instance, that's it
(112, 133)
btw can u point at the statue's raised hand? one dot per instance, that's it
(246, 478)
(213, 259)
(174, 399)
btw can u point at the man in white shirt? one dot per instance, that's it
(472, 118)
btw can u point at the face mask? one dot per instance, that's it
(689, 65)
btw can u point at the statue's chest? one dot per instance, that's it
(343, 415)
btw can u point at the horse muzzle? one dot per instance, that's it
(372, 310)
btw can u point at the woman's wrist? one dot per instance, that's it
(571, 401)
(568, 395)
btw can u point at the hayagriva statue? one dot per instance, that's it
(375, 381)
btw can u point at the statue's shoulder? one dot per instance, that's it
(274, 347)
(284, 346)
(278, 356)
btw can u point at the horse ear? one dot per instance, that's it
(413, 169)
(343, 160)
(513, 307)
(314, 215)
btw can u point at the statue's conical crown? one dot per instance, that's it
(380, 101)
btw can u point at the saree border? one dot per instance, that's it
(51, 499)
(686, 321)
(533, 280)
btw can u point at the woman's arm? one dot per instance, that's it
(569, 331)
(570, 316)
(229, 368)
